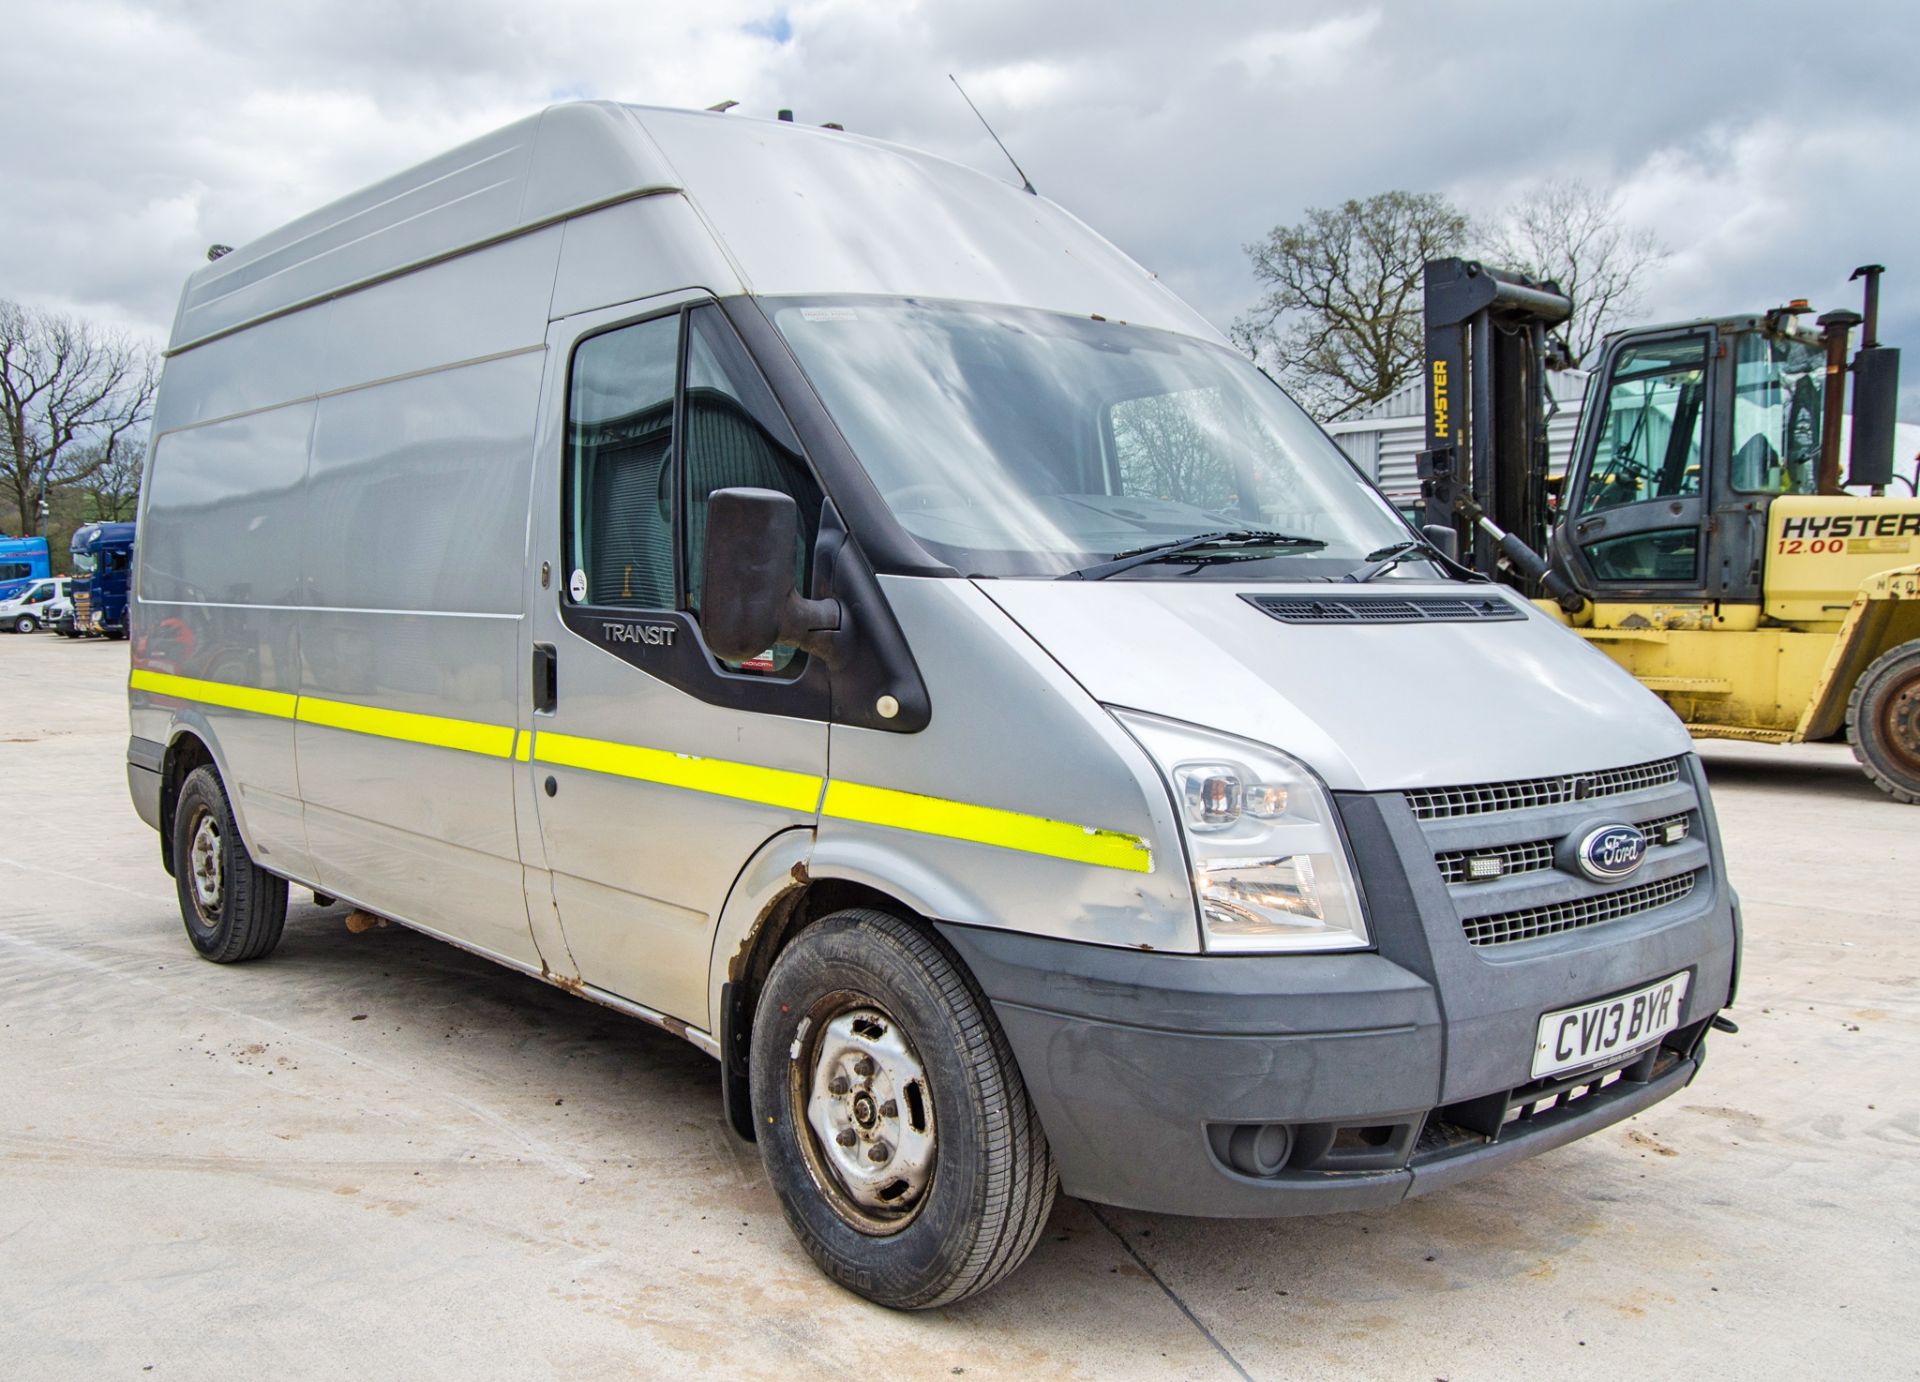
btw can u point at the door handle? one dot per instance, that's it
(546, 678)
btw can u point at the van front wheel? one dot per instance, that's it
(893, 1122)
(233, 908)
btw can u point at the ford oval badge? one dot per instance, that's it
(1611, 852)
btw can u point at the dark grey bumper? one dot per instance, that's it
(144, 760)
(1140, 1065)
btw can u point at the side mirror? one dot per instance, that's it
(747, 599)
(1443, 536)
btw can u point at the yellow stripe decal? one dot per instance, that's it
(494, 741)
(987, 825)
(791, 791)
(276, 703)
(771, 786)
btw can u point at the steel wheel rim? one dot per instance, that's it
(206, 867)
(861, 1101)
(1900, 723)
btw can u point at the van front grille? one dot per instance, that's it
(1552, 918)
(1532, 856)
(1445, 803)
(1529, 857)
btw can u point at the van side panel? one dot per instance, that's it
(271, 363)
(219, 580)
(413, 545)
(452, 199)
(461, 309)
(638, 249)
(415, 540)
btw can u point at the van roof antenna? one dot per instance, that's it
(1025, 181)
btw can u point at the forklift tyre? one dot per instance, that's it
(1883, 722)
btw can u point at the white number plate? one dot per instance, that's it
(1593, 1032)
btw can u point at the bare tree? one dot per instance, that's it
(72, 398)
(1574, 234)
(113, 484)
(1167, 448)
(1340, 323)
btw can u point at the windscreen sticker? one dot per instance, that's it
(829, 314)
(577, 586)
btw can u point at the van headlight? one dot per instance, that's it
(1270, 870)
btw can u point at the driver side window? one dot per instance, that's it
(1651, 427)
(650, 436)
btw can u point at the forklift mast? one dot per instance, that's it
(1485, 462)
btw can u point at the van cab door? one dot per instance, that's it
(655, 770)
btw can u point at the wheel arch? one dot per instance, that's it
(188, 748)
(789, 884)
(1884, 614)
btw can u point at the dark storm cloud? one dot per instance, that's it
(1772, 146)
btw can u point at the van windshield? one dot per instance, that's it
(1013, 442)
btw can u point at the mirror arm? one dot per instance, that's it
(812, 626)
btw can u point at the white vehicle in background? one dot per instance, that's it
(34, 607)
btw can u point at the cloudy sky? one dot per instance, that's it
(1772, 146)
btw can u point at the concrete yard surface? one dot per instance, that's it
(377, 1156)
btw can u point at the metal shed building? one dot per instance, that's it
(1385, 439)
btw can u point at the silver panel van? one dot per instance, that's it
(835, 606)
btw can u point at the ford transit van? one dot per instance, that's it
(34, 605)
(834, 606)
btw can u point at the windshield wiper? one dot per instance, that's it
(1167, 551)
(1389, 557)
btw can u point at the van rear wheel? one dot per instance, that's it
(1883, 722)
(233, 909)
(893, 1122)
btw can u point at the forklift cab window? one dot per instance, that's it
(1650, 432)
(1776, 413)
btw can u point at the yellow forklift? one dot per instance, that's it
(1701, 536)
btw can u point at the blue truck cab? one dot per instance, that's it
(23, 560)
(102, 565)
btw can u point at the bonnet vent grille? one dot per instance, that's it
(1384, 609)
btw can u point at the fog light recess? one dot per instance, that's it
(1259, 1150)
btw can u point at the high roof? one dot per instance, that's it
(795, 210)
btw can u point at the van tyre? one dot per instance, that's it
(233, 909)
(26, 623)
(1883, 722)
(893, 1122)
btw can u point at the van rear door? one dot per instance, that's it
(655, 770)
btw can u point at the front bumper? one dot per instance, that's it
(1143, 1066)
(144, 762)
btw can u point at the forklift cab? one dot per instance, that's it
(1689, 435)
